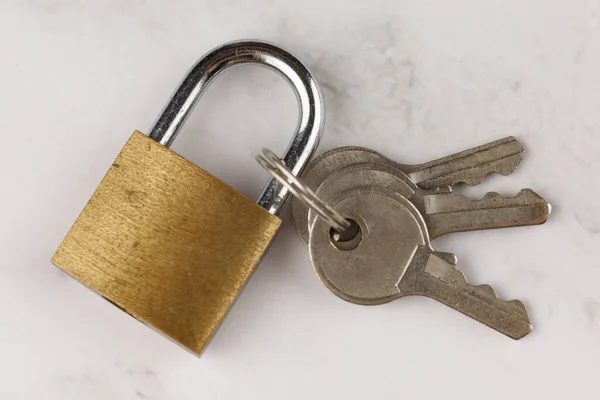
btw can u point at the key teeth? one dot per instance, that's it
(520, 306)
(492, 195)
(477, 179)
(434, 277)
(528, 194)
(504, 167)
(470, 166)
(517, 303)
(530, 197)
(450, 258)
(487, 291)
(523, 194)
(484, 289)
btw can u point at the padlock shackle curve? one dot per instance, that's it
(310, 103)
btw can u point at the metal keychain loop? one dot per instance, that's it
(345, 229)
(310, 103)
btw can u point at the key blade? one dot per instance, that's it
(471, 166)
(448, 212)
(432, 276)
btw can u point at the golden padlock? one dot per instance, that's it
(166, 241)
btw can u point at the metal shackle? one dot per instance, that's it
(310, 103)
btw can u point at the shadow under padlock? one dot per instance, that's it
(166, 241)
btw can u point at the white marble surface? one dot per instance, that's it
(414, 79)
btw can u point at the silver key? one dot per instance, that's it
(392, 257)
(443, 211)
(447, 212)
(470, 166)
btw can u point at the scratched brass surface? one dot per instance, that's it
(167, 242)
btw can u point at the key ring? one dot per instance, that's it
(344, 228)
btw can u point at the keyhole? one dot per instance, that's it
(347, 240)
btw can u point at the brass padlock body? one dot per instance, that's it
(167, 242)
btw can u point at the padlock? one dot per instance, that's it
(169, 243)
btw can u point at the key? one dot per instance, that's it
(448, 212)
(470, 166)
(443, 211)
(391, 257)
(430, 275)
